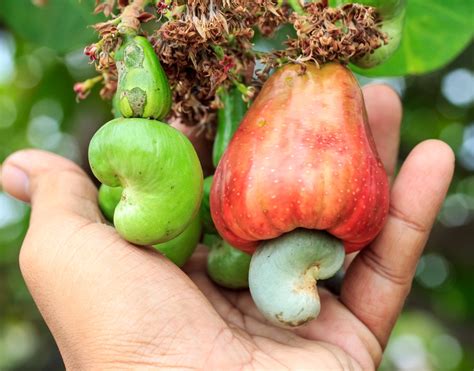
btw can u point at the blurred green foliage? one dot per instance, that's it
(435, 32)
(38, 109)
(58, 25)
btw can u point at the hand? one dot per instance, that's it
(112, 304)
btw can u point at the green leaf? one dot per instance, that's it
(435, 32)
(60, 24)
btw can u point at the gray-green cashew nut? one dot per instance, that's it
(284, 271)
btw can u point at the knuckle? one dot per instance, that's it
(376, 263)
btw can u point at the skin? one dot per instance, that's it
(113, 305)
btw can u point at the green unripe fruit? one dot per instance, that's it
(143, 89)
(392, 13)
(205, 210)
(159, 171)
(115, 106)
(180, 248)
(228, 266)
(209, 239)
(109, 197)
(228, 120)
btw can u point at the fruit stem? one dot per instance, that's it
(296, 6)
(313, 272)
(130, 23)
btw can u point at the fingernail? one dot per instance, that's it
(15, 182)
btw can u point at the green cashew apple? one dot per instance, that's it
(180, 248)
(143, 89)
(159, 171)
(205, 210)
(109, 197)
(228, 266)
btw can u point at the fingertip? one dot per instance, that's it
(32, 161)
(379, 279)
(20, 167)
(382, 102)
(15, 182)
(50, 183)
(439, 151)
(431, 159)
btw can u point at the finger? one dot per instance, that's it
(379, 279)
(384, 111)
(51, 183)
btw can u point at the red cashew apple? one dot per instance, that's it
(302, 158)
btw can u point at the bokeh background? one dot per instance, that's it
(38, 109)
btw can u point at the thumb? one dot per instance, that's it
(50, 183)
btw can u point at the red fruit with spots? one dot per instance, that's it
(303, 157)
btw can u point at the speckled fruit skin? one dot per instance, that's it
(159, 171)
(303, 157)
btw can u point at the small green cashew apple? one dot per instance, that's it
(143, 89)
(208, 239)
(205, 209)
(228, 266)
(180, 248)
(109, 197)
(159, 171)
(283, 274)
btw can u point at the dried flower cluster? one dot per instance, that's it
(207, 44)
(132, 15)
(327, 34)
(108, 6)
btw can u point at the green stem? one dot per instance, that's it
(129, 23)
(228, 119)
(296, 6)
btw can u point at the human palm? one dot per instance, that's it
(111, 304)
